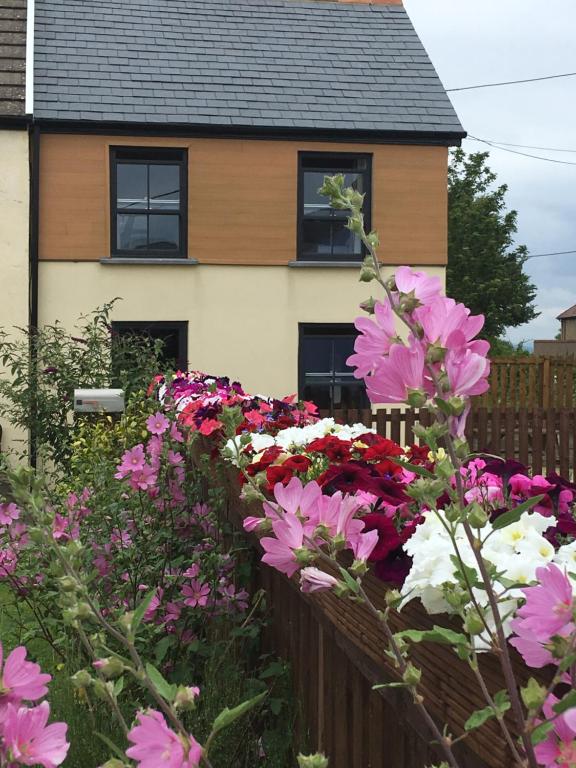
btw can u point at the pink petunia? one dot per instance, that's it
(157, 424)
(155, 744)
(30, 741)
(21, 680)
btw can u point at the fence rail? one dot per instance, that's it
(531, 382)
(542, 438)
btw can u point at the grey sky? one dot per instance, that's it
(480, 41)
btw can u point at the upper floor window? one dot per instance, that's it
(322, 231)
(149, 202)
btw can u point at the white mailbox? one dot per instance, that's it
(98, 400)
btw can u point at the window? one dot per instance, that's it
(324, 376)
(322, 232)
(174, 335)
(149, 202)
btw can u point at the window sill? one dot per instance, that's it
(331, 264)
(118, 260)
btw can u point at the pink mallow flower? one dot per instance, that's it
(549, 606)
(143, 479)
(394, 376)
(295, 497)
(196, 593)
(558, 750)
(8, 513)
(281, 552)
(313, 580)
(424, 287)
(20, 679)
(157, 424)
(443, 317)
(28, 739)
(132, 461)
(467, 372)
(374, 339)
(155, 744)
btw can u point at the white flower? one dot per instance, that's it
(566, 557)
(261, 441)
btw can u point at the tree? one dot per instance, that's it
(485, 270)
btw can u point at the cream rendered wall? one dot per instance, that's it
(243, 320)
(14, 217)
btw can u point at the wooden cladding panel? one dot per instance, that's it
(242, 198)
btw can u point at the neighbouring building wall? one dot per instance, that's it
(243, 321)
(14, 212)
(242, 198)
(554, 348)
(568, 326)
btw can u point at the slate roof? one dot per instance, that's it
(12, 57)
(567, 314)
(292, 64)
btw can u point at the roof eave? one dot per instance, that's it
(206, 130)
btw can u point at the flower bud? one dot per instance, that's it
(110, 667)
(359, 568)
(125, 621)
(416, 398)
(368, 305)
(84, 611)
(312, 761)
(68, 584)
(393, 598)
(304, 556)
(453, 513)
(411, 675)
(473, 623)
(82, 679)
(186, 697)
(477, 517)
(114, 763)
(533, 694)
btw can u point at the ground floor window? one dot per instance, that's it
(323, 374)
(173, 334)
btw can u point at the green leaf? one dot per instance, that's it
(568, 702)
(418, 470)
(437, 634)
(389, 685)
(275, 669)
(276, 706)
(513, 515)
(119, 686)
(141, 610)
(162, 647)
(478, 718)
(163, 687)
(111, 746)
(228, 716)
(350, 582)
(539, 734)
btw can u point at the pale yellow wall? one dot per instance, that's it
(14, 185)
(243, 320)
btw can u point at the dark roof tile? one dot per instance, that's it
(269, 63)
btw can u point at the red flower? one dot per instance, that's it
(268, 457)
(418, 454)
(332, 447)
(209, 426)
(277, 474)
(382, 450)
(388, 537)
(297, 463)
(387, 467)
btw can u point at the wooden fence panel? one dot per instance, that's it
(542, 439)
(531, 382)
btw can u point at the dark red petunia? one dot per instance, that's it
(394, 568)
(418, 454)
(382, 450)
(387, 467)
(278, 474)
(297, 463)
(332, 447)
(388, 537)
(268, 457)
(347, 478)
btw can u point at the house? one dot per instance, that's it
(181, 144)
(14, 178)
(565, 346)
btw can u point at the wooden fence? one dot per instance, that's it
(531, 382)
(543, 439)
(336, 651)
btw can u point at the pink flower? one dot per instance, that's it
(192, 572)
(549, 607)
(157, 745)
(374, 340)
(175, 433)
(534, 653)
(313, 580)
(467, 372)
(29, 741)
(143, 479)
(196, 593)
(363, 545)
(280, 552)
(252, 523)
(175, 458)
(425, 288)
(157, 424)
(21, 679)
(132, 461)
(296, 497)
(209, 426)
(8, 513)
(442, 318)
(395, 375)
(337, 512)
(558, 750)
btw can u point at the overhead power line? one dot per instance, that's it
(555, 253)
(516, 152)
(530, 146)
(511, 82)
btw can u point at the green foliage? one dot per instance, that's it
(481, 716)
(44, 366)
(485, 270)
